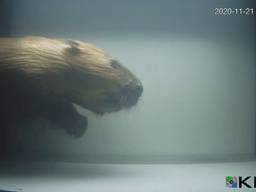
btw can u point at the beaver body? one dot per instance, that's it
(42, 77)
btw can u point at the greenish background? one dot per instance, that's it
(197, 69)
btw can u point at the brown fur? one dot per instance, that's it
(45, 76)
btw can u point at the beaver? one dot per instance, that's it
(43, 77)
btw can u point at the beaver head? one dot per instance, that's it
(99, 82)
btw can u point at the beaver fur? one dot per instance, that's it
(42, 77)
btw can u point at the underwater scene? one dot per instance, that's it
(154, 80)
(127, 82)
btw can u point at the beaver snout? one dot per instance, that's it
(126, 96)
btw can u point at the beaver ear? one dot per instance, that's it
(73, 47)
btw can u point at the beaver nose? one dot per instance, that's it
(131, 94)
(127, 96)
(138, 89)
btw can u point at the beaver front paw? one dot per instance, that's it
(75, 127)
(63, 115)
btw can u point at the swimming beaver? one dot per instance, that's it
(42, 77)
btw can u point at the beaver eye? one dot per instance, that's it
(115, 64)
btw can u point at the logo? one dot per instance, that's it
(231, 182)
(240, 182)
